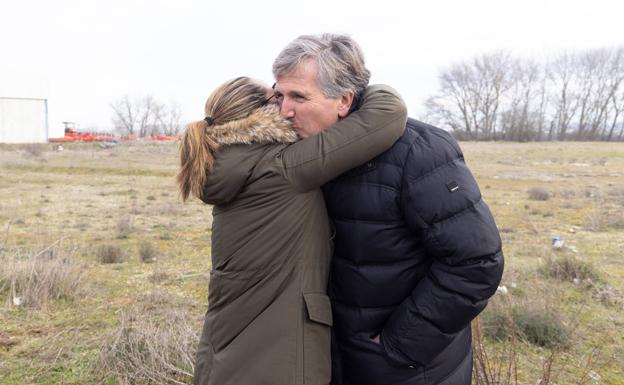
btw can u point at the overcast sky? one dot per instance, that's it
(83, 54)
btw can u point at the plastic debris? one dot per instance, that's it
(557, 243)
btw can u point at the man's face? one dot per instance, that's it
(304, 104)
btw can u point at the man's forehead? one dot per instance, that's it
(302, 78)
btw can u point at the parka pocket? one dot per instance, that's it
(317, 339)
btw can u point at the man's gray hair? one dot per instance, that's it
(339, 58)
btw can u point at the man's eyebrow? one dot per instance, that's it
(290, 92)
(296, 93)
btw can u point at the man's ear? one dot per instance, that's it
(345, 104)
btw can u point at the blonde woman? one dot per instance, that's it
(269, 318)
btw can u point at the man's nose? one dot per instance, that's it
(286, 108)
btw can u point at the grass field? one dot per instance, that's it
(104, 273)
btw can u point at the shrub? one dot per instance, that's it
(124, 227)
(32, 149)
(37, 279)
(109, 254)
(541, 327)
(154, 343)
(538, 325)
(147, 252)
(568, 268)
(603, 219)
(538, 194)
(159, 277)
(608, 295)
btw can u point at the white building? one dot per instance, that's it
(23, 120)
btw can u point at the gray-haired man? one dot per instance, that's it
(417, 252)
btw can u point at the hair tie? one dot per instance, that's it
(209, 120)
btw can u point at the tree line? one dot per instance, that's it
(496, 96)
(145, 116)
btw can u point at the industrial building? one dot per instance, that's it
(23, 120)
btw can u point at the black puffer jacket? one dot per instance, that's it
(417, 255)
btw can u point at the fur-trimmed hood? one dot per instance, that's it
(234, 164)
(265, 125)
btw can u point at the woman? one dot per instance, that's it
(269, 318)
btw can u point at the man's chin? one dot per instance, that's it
(301, 133)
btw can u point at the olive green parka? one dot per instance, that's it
(268, 320)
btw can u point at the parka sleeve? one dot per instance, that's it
(362, 135)
(443, 206)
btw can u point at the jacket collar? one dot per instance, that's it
(265, 125)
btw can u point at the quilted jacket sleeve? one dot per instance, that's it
(442, 204)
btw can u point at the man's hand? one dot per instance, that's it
(376, 338)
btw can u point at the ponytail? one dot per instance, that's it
(235, 99)
(196, 159)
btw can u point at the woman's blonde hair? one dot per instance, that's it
(233, 100)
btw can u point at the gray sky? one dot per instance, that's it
(83, 54)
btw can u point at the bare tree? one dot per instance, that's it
(471, 94)
(574, 96)
(524, 115)
(494, 80)
(145, 116)
(595, 91)
(617, 102)
(169, 119)
(125, 115)
(562, 75)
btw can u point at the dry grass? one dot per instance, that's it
(37, 279)
(33, 150)
(534, 321)
(109, 254)
(154, 343)
(147, 252)
(539, 194)
(571, 269)
(601, 219)
(81, 193)
(124, 227)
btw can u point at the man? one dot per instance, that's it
(417, 252)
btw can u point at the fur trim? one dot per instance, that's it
(265, 125)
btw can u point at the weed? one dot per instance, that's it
(601, 219)
(541, 327)
(608, 295)
(147, 252)
(36, 279)
(33, 150)
(539, 194)
(124, 227)
(570, 269)
(155, 342)
(159, 277)
(109, 254)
